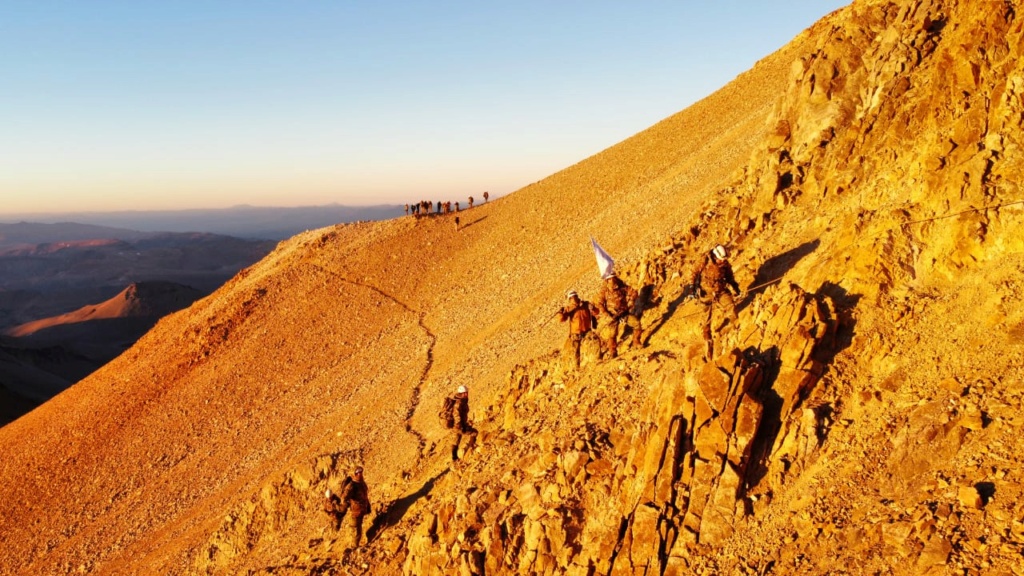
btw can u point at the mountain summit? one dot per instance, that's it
(861, 415)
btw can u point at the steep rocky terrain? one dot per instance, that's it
(862, 416)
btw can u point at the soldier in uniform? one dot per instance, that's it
(461, 427)
(615, 305)
(348, 508)
(580, 315)
(715, 285)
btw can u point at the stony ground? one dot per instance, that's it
(861, 417)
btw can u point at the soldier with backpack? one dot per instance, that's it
(347, 508)
(714, 284)
(455, 415)
(615, 304)
(580, 315)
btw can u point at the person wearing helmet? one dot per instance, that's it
(615, 306)
(715, 285)
(348, 507)
(580, 315)
(461, 425)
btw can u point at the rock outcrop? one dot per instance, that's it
(687, 451)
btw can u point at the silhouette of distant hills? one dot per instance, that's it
(28, 234)
(239, 221)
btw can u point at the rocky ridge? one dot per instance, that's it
(862, 416)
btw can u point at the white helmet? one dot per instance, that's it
(462, 390)
(571, 294)
(720, 253)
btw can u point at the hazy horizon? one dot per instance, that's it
(253, 222)
(8, 217)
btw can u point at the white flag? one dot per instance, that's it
(605, 264)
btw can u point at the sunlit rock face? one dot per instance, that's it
(861, 414)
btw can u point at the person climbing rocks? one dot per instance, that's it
(714, 285)
(348, 508)
(456, 412)
(470, 201)
(486, 196)
(580, 315)
(615, 304)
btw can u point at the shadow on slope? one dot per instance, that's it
(775, 268)
(396, 510)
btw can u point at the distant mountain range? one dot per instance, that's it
(239, 221)
(73, 296)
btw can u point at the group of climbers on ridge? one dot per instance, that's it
(430, 208)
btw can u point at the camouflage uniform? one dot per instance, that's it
(462, 426)
(717, 285)
(579, 313)
(615, 304)
(348, 509)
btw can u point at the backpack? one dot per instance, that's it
(590, 321)
(447, 413)
(335, 503)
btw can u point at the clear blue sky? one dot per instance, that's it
(142, 105)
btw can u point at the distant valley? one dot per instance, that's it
(74, 296)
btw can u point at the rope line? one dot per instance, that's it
(955, 214)
(864, 236)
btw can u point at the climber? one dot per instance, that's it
(348, 508)
(580, 315)
(615, 306)
(715, 285)
(456, 410)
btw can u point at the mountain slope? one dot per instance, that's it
(293, 356)
(859, 418)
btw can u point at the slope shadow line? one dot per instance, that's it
(775, 268)
(397, 509)
(474, 222)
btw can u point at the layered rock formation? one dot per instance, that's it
(684, 455)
